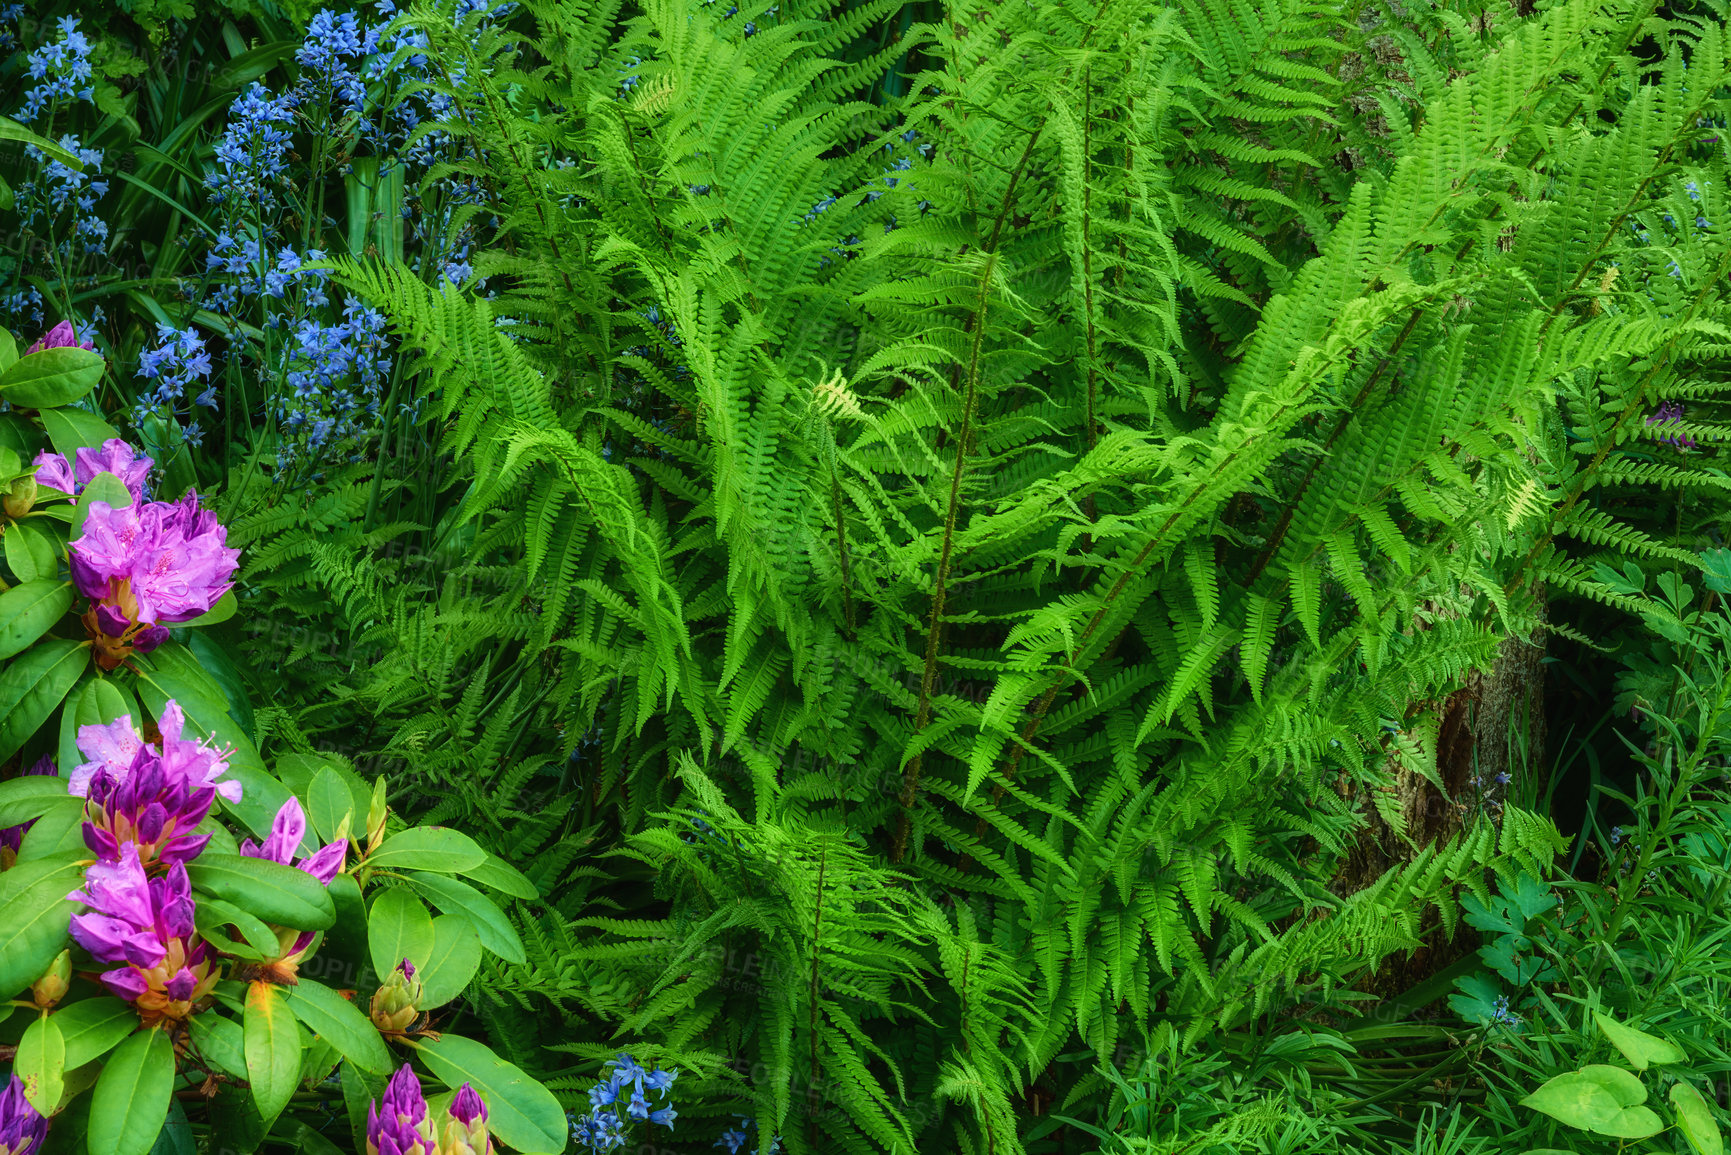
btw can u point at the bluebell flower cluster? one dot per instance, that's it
(62, 70)
(23, 309)
(1502, 1016)
(59, 190)
(331, 56)
(10, 14)
(603, 1128)
(739, 1139)
(335, 375)
(252, 155)
(175, 364)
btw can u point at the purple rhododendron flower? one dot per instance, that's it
(397, 1124)
(146, 567)
(149, 797)
(286, 832)
(146, 925)
(115, 456)
(467, 1106)
(62, 336)
(281, 845)
(12, 837)
(22, 1127)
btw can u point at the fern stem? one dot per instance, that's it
(816, 950)
(934, 631)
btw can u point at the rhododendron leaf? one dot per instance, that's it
(41, 1064)
(131, 1100)
(220, 1042)
(214, 912)
(34, 917)
(95, 701)
(428, 848)
(207, 719)
(273, 892)
(273, 1049)
(51, 378)
(8, 347)
(33, 684)
(91, 1028)
(360, 1091)
(520, 1111)
(105, 487)
(501, 875)
(340, 1023)
(73, 429)
(29, 553)
(453, 961)
(329, 801)
(32, 796)
(398, 928)
(220, 612)
(28, 611)
(56, 834)
(453, 897)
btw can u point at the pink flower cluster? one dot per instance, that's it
(115, 456)
(145, 566)
(62, 336)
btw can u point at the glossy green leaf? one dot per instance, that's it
(273, 1048)
(95, 701)
(22, 799)
(340, 1023)
(520, 1111)
(1695, 1120)
(274, 892)
(453, 961)
(93, 1027)
(30, 555)
(436, 848)
(104, 487)
(454, 897)
(130, 1103)
(217, 614)
(51, 378)
(41, 1064)
(30, 610)
(214, 912)
(57, 835)
(32, 686)
(73, 429)
(329, 800)
(398, 928)
(501, 875)
(34, 915)
(220, 1042)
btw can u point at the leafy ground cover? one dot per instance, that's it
(1056, 577)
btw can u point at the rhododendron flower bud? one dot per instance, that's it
(149, 796)
(145, 567)
(115, 456)
(145, 924)
(281, 845)
(55, 981)
(398, 1123)
(22, 1127)
(20, 498)
(396, 1004)
(62, 336)
(465, 1129)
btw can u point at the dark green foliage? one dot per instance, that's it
(1034, 597)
